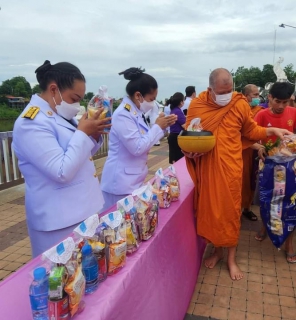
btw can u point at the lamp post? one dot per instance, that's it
(286, 25)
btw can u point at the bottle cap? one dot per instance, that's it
(39, 273)
(86, 249)
(154, 197)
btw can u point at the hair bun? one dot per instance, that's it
(42, 70)
(132, 73)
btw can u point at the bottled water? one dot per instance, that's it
(90, 269)
(39, 294)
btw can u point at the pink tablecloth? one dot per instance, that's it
(156, 283)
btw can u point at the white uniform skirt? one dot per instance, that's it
(44, 240)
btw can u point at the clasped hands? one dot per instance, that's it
(94, 126)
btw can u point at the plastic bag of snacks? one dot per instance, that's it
(161, 187)
(171, 177)
(92, 231)
(115, 241)
(126, 207)
(147, 206)
(195, 125)
(66, 281)
(101, 99)
(277, 182)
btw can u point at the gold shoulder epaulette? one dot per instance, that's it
(31, 113)
(127, 107)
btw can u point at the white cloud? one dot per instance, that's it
(176, 41)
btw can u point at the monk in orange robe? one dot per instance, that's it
(251, 92)
(217, 175)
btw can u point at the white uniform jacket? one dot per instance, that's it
(61, 184)
(130, 140)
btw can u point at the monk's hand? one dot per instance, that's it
(262, 153)
(192, 155)
(278, 132)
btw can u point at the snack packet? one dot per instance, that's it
(173, 181)
(115, 241)
(101, 99)
(126, 206)
(146, 205)
(161, 188)
(195, 125)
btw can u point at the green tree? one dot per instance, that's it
(6, 88)
(88, 96)
(17, 86)
(36, 89)
(291, 74)
(267, 74)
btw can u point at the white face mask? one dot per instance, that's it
(67, 110)
(146, 106)
(223, 99)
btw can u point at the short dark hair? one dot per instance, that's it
(189, 91)
(281, 90)
(175, 100)
(63, 73)
(139, 81)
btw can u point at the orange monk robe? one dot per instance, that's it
(247, 192)
(217, 175)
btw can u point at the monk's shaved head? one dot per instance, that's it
(248, 89)
(220, 76)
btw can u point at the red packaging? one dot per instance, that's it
(59, 309)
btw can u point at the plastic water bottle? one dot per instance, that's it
(90, 269)
(155, 203)
(39, 294)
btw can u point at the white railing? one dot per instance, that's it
(9, 172)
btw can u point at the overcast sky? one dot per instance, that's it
(177, 42)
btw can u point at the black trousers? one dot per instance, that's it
(175, 152)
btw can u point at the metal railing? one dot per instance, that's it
(10, 174)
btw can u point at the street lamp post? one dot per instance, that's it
(286, 25)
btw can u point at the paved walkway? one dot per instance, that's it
(266, 292)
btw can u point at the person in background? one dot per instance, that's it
(176, 103)
(279, 114)
(55, 156)
(167, 112)
(131, 138)
(251, 93)
(217, 174)
(190, 94)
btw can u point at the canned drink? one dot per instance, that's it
(59, 309)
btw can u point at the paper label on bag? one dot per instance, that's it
(126, 203)
(113, 219)
(144, 193)
(60, 253)
(88, 227)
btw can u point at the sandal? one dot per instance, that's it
(260, 236)
(291, 257)
(250, 215)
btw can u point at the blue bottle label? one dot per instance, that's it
(39, 302)
(91, 273)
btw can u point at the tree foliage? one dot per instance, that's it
(17, 86)
(255, 75)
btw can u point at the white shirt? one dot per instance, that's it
(186, 103)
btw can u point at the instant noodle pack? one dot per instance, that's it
(98, 248)
(277, 181)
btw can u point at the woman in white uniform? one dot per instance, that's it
(131, 138)
(55, 156)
